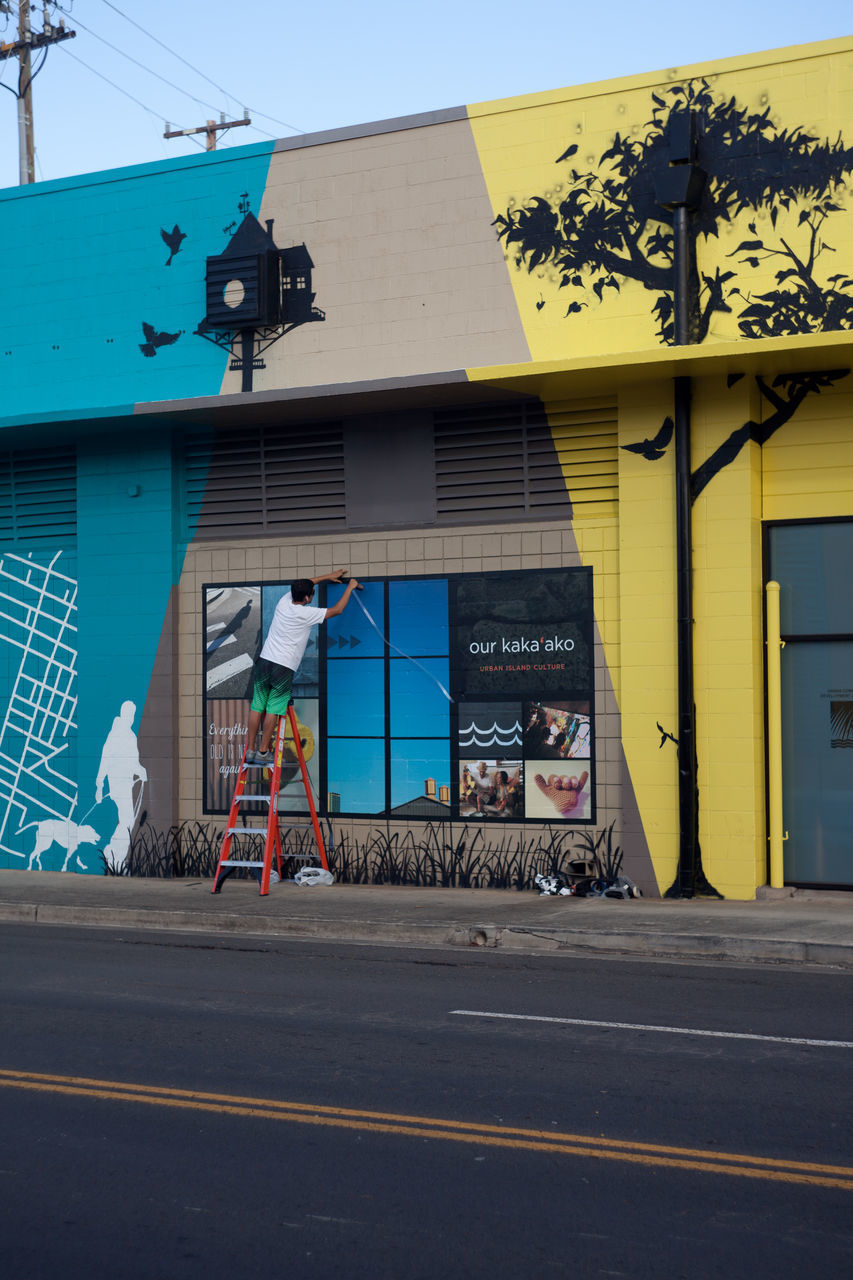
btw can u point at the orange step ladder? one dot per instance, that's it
(271, 833)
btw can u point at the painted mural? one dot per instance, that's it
(114, 324)
(601, 226)
(782, 396)
(38, 788)
(42, 827)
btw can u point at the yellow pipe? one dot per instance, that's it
(775, 644)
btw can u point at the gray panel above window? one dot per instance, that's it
(390, 471)
(415, 468)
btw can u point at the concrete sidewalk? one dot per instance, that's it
(784, 926)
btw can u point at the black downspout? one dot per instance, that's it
(688, 786)
(681, 190)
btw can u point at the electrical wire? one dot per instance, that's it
(200, 101)
(158, 115)
(253, 110)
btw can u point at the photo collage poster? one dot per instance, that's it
(468, 697)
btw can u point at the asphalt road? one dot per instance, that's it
(175, 1106)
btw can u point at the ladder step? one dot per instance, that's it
(240, 862)
(246, 831)
(244, 799)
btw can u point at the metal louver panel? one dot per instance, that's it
(263, 480)
(496, 463)
(38, 495)
(586, 438)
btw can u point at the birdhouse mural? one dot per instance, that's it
(296, 296)
(255, 293)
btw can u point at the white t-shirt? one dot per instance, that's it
(289, 632)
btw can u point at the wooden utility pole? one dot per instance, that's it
(22, 50)
(210, 129)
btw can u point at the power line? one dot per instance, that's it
(144, 67)
(201, 102)
(157, 114)
(134, 23)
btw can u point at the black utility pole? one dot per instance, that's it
(22, 48)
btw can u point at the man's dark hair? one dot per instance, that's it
(302, 589)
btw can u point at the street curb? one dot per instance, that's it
(507, 937)
(695, 946)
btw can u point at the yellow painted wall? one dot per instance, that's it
(648, 687)
(807, 466)
(805, 92)
(793, 242)
(624, 525)
(728, 643)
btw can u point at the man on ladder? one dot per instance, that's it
(271, 701)
(281, 655)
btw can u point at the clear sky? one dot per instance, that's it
(336, 63)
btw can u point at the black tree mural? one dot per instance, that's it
(603, 227)
(784, 395)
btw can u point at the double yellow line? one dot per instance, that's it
(482, 1135)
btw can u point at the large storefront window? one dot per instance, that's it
(811, 562)
(460, 697)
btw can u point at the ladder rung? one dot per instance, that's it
(246, 831)
(240, 862)
(244, 799)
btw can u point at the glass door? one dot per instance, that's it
(811, 561)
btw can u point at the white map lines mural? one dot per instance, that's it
(38, 790)
(38, 612)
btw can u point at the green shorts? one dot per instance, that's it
(271, 692)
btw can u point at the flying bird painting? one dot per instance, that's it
(653, 449)
(173, 240)
(153, 339)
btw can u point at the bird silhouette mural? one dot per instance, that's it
(172, 240)
(664, 736)
(154, 340)
(653, 449)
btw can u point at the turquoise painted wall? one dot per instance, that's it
(85, 266)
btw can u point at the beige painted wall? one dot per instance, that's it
(407, 266)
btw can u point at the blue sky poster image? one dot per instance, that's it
(388, 721)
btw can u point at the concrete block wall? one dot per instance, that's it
(453, 550)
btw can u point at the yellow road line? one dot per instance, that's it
(734, 1164)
